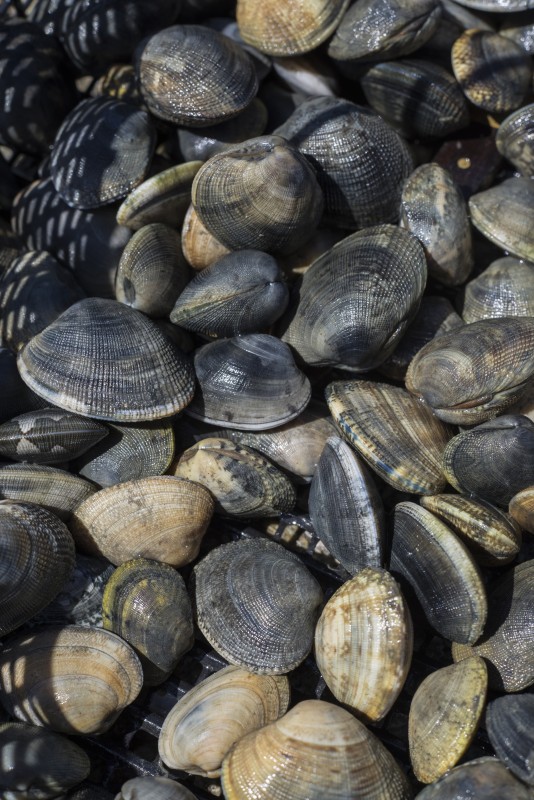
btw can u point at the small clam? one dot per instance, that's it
(515, 139)
(154, 789)
(503, 214)
(202, 727)
(504, 289)
(509, 725)
(199, 246)
(521, 508)
(485, 778)
(54, 489)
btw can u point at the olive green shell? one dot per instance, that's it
(503, 214)
(504, 289)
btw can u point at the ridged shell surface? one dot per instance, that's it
(55, 489)
(203, 143)
(515, 139)
(503, 214)
(504, 289)
(154, 789)
(484, 777)
(199, 246)
(509, 726)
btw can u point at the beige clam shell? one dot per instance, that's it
(521, 508)
(162, 518)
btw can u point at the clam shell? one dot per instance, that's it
(54, 489)
(257, 604)
(154, 789)
(199, 246)
(504, 289)
(503, 214)
(509, 726)
(486, 778)
(161, 518)
(201, 728)
(521, 508)
(515, 139)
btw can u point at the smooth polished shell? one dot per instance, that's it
(521, 508)
(201, 728)
(509, 726)
(154, 789)
(257, 605)
(515, 139)
(503, 214)
(504, 289)
(364, 642)
(105, 360)
(55, 489)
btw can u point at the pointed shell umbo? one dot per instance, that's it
(504, 289)
(201, 728)
(508, 642)
(364, 642)
(146, 604)
(346, 509)
(444, 716)
(181, 84)
(470, 375)
(257, 605)
(162, 518)
(93, 672)
(356, 300)
(515, 139)
(485, 778)
(317, 751)
(446, 580)
(105, 360)
(396, 435)
(54, 489)
(509, 726)
(154, 789)
(521, 508)
(243, 483)
(503, 214)
(249, 382)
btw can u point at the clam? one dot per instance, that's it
(154, 789)
(257, 604)
(199, 246)
(521, 508)
(520, 28)
(515, 139)
(161, 518)
(203, 143)
(204, 724)
(312, 75)
(119, 82)
(363, 643)
(444, 716)
(54, 489)
(486, 778)
(504, 289)
(503, 214)
(509, 725)
(69, 679)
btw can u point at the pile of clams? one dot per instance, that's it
(266, 278)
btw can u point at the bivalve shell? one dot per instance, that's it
(486, 778)
(154, 789)
(521, 508)
(503, 214)
(54, 489)
(515, 139)
(504, 289)
(509, 726)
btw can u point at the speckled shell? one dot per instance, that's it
(398, 436)
(146, 604)
(105, 360)
(434, 210)
(38, 764)
(154, 789)
(162, 518)
(470, 375)
(363, 643)
(503, 214)
(504, 289)
(200, 729)
(446, 580)
(444, 716)
(509, 726)
(203, 143)
(54, 489)
(192, 75)
(486, 778)
(521, 508)
(257, 605)
(515, 139)
(94, 672)
(507, 644)
(199, 246)
(356, 300)
(289, 28)
(316, 751)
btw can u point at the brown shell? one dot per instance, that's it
(522, 508)
(199, 246)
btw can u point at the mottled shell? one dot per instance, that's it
(444, 716)
(446, 580)
(396, 435)
(257, 605)
(193, 75)
(504, 289)
(162, 518)
(363, 643)
(521, 508)
(472, 374)
(201, 728)
(509, 726)
(93, 672)
(486, 778)
(503, 214)
(54, 489)
(154, 789)
(199, 246)
(102, 359)
(515, 139)
(317, 751)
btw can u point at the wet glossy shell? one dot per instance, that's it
(444, 716)
(260, 194)
(446, 580)
(509, 726)
(203, 143)
(146, 604)
(434, 210)
(152, 271)
(398, 436)
(203, 725)
(243, 483)
(289, 28)
(522, 508)
(363, 643)
(257, 605)
(493, 71)
(37, 558)
(249, 382)
(93, 672)
(199, 246)
(508, 641)
(470, 375)
(102, 150)
(161, 518)
(38, 764)
(242, 292)
(192, 75)
(503, 214)
(504, 289)
(490, 534)
(317, 751)
(486, 778)
(346, 509)
(154, 789)
(54, 489)
(105, 360)
(515, 139)
(356, 300)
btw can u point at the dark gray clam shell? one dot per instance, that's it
(199, 144)
(346, 509)
(504, 289)
(503, 214)
(105, 360)
(515, 139)
(520, 28)
(54, 489)
(242, 292)
(257, 605)
(485, 778)
(102, 151)
(248, 382)
(15, 397)
(509, 724)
